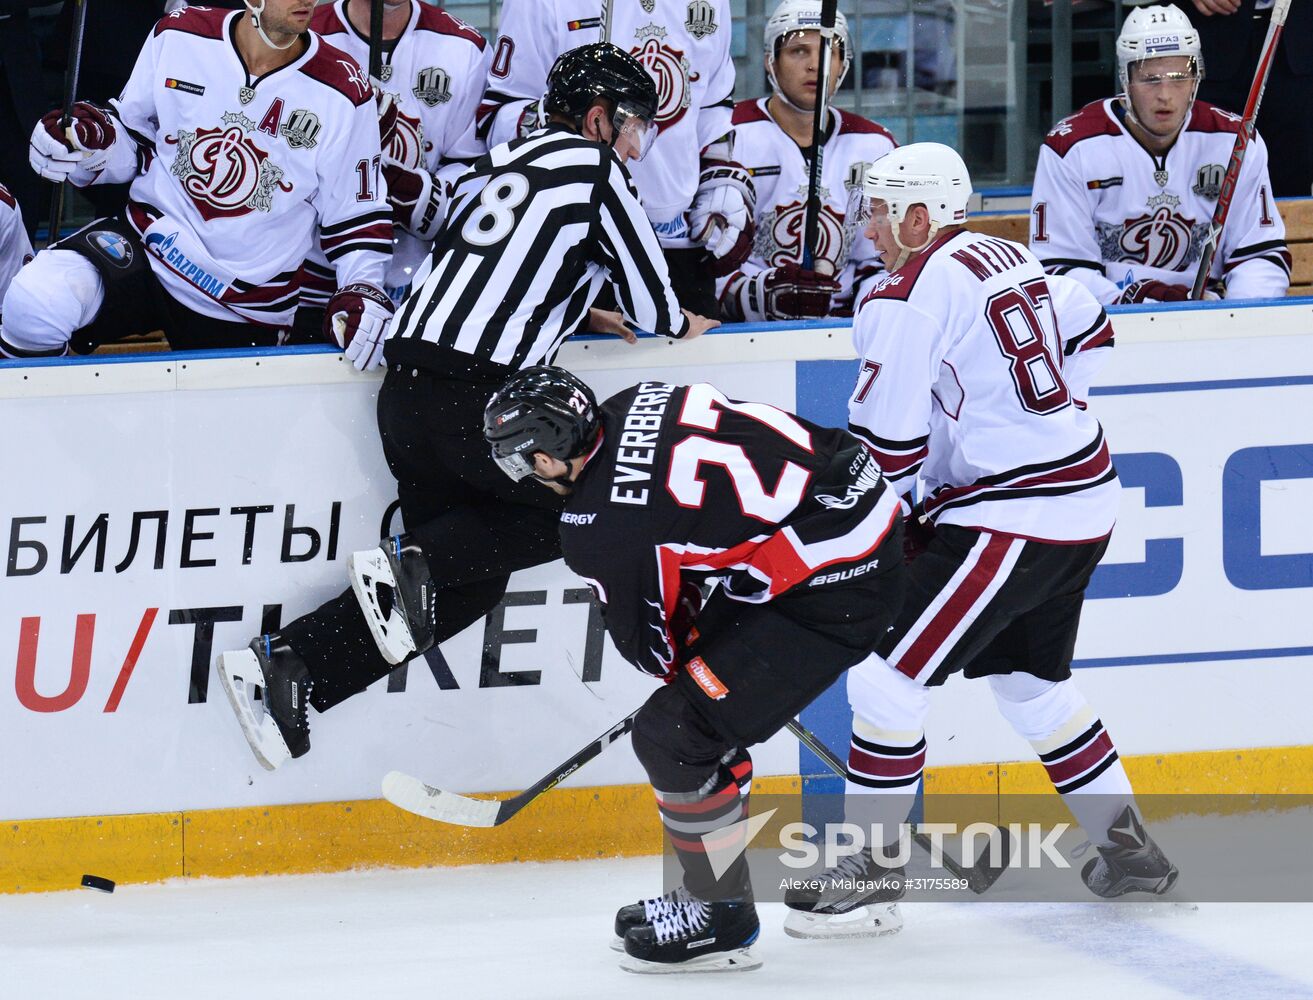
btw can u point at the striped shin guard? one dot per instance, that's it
(884, 774)
(706, 831)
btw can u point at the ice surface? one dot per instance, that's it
(541, 930)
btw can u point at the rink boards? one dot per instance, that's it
(162, 509)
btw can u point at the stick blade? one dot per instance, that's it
(411, 794)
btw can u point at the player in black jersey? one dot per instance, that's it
(533, 232)
(670, 489)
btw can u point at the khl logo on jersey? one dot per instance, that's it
(116, 249)
(224, 171)
(1208, 182)
(302, 129)
(432, 86)
(701, 20)
(669, 69)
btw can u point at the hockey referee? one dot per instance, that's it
(533, 232)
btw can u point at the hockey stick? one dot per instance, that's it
(376, 40)
(979, 877)
(1242, 140)
(812, 218)
(413, 795)
(606, 20)
(70, 95)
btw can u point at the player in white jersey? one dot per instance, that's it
(15, 247)
(244, 137)
(695, 192)
(773, 139)
(963, 349)
(434, 68)
(1125, 188)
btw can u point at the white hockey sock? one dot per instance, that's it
(887, 754)
(1072, 745)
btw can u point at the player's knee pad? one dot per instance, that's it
(888, 706)
(1047, 713)
(674, 746)
(56, 293)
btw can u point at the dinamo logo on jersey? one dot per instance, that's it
(224, 172)
(779, 239)
(669, 68)
(432, 86)
(1161, 238)
(407, 146)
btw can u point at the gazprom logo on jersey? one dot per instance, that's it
(115, 248)
(162, 247)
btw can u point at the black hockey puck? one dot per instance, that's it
(96, 882)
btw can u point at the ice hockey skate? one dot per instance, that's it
(396, 594)
(694, 935)
(269, 689)
(1133, 862)
(644, 912)
(855, 898)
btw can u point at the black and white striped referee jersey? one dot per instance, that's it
(533, 232)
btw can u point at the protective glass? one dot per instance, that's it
(1155, 80)
(632, 132)
(872, 210)
(516, 465)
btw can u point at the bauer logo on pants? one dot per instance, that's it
(115, 249)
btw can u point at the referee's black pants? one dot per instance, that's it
(475, 525)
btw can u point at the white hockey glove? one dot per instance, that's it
(415, 197)
(357, 320)
(56, 152)
(531, 119)
(721, 218)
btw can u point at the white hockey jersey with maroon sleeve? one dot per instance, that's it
(685, 45)
(961, 384)
(240, 176)
(780, 172)
(1109, 213)
(15, 247)
(435, 73)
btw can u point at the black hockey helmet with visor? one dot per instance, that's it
(582, 75)
(542, 408)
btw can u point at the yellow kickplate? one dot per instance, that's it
(49, 854)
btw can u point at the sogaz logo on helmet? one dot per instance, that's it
(116, 249)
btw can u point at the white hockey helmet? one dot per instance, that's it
(803, 15)
(922, 173)
(1155, 32)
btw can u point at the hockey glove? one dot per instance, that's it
(55, 151)
(415, 197)
(357, 320)
(387, 119)
(792, 292)
(721, 218)
(531, 119)
(1151, 290)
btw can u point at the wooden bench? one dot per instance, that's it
(1297, 213)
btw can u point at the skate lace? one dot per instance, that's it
(849, 867)
(684, 919)
(661, 906)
